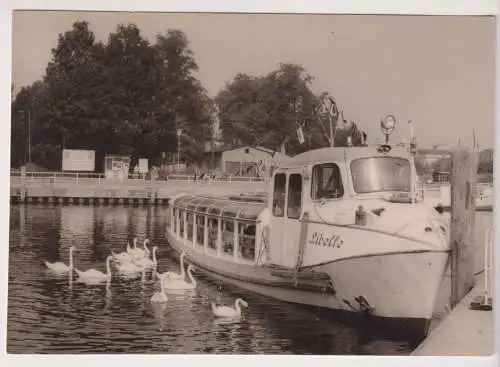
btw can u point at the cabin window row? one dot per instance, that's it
(218, 234)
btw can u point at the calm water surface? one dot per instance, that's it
(55, 314)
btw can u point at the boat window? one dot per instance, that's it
(246, 241)
(228, 237)
(189, 221)
(279, 194)
(200, 230)
(327, 182)
(294, 195)
(181, 223)
(377, 174)
(213, 230)
(215, 210)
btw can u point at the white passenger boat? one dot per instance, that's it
(340, 228)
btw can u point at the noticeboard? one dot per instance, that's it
(78, 160)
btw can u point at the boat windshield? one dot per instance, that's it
(377, 174)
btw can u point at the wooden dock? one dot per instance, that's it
(464, 332)
(468, 329)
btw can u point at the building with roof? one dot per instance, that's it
(239, 161)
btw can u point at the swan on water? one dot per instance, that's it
(146, 262)
(93, 275)
(181, 284)
(125, 255)
(146, 249)
(159, 297)
(172, 275)
(139, 252)
(226, 311)
(135, 251)
(129, 267)
(59, 267)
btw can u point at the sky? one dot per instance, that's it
(437, 71)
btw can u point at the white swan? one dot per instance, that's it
(135, 251)
(171, 275)
(59, 267)
(180, 284)
(226, 311)
(146, 262)
(125, 255)
(93, 275)
(145, 245)
(129, 267)
(139, 252)
(159, 297)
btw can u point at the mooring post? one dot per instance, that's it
(463, 212)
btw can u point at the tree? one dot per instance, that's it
(443, 164)
(422, 167)
(125, 96)
(268, 110)
(185, 102)
(24, 124)
(64, 117)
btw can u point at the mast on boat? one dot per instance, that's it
(387, 125)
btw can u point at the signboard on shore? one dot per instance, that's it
(78, 160)
(143, 165)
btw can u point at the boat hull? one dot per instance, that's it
(402, 288)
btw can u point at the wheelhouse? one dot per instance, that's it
(218, 226)
(333, 173)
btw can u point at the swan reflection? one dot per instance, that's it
(108, 298)
(222, 321)
(159, 314)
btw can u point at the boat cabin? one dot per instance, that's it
(218, 226)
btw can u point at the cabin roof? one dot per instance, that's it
(343, 153)
(220, 206)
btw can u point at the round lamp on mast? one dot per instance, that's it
(387, 125)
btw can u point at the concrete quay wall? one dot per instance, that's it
(115, 192)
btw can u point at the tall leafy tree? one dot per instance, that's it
(186, 104)
(123, 96)
(268, 110)
(24, 122)
(64, 117)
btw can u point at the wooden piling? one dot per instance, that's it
(463, 208)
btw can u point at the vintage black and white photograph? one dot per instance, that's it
(230, 183)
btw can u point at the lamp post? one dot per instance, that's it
(179, 133)
(213, 157)
(27, 124)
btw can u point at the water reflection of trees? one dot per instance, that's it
(38, 231)
(97, 230)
